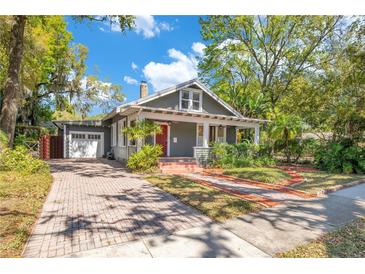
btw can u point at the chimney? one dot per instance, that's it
(143, 89)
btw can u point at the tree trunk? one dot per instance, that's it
(12, 90)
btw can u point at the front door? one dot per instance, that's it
(161, 139)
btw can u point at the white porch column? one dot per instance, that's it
(257, 134)
(205, 134)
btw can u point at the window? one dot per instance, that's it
(132, 142)
(121, 136)
(217, 134)
(78, 136)
(221, 134)
(114, 135)
(190, 100)
(211, 134)
(199, 140)
(94, 136)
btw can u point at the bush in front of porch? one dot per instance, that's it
(244, 154)
(146, 159)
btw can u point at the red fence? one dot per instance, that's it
(50, 147)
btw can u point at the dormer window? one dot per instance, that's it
(191, 100)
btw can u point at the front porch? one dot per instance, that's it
(188, 134)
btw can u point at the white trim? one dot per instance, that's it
(113, 133)
(195, 119)
(168, 140)
(64, 141)
(88, 132)
(190, 100)
(168, 136)
(257, 135)
(120, 137)
(205, 134)
(197, 132)
(129, 140)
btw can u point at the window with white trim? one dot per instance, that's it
(191, 100)
(131, 141)
(199, 135)
(221, 134)
(114, 135)
(121, 136)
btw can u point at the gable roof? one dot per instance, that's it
(175, 88)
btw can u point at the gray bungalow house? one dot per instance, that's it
(191, 117)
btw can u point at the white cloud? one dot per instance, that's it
(149, 27)
(145, 25)
(134, 66)
(182, 68)
(129, 80)
(198, 48)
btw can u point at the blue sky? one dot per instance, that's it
(161, 50)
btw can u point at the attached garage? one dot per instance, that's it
(86, 144)
(84, 139)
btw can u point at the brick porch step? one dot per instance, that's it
(178, 165)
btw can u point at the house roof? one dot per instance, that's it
(170, 90)
(91, 123)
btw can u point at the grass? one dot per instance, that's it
(213, 203)
(21, 197)
(347, 242)
(261, 174)
(317, 181)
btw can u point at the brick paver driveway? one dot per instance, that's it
(95, 203)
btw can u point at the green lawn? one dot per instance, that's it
(347, 242)
(317, 181)
(313, 181)
(21, 198)
(261, 174)
(213, 203)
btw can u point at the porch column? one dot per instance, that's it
(205, 134)
(257, 134)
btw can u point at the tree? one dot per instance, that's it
(332, 99)
(284, 129)
(142, 129)
(265, 54)
(12, 92)
(12, 89)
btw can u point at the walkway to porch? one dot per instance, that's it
(176, 165)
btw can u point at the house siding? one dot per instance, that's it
(171, 101)
(186, 139)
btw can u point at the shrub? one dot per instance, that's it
(146, 159)
(3, 140)
(240, 155)
(340, 157)
(19, 159)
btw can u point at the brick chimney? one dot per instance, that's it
(143, 89)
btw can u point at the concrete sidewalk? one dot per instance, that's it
(210, 241)
(279, 229)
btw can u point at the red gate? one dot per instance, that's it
(51, 147)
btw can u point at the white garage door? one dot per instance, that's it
(86, 144)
